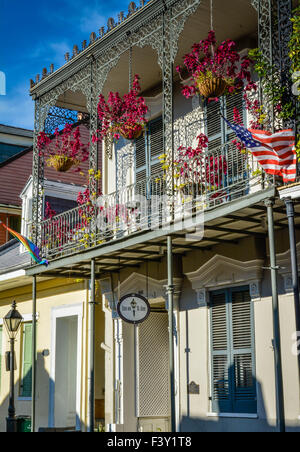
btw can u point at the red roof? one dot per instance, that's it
(15, 172)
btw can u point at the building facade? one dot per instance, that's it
(215, 353)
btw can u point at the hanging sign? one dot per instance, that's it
(133, 308)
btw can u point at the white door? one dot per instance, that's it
(65, 381)
(65, 372)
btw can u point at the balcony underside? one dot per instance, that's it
(226, 224)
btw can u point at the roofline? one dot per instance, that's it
(13, 130)
(21, 153)
(135, 21)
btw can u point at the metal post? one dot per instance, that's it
(34, 359)
(170, 291)
(294, 264)
(91, 339)
(276, 321)
(11, 421)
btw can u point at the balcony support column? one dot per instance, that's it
(290, 211)
(168, 108)
(280, 415)
(34, 357)
(91, 351)
(170, 292)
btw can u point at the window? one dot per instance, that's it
(15, 224)
(9, 150)
(147, 150)
(233, 383)
(26, 379)
(220, 137)
(60, 205)
(218, 131)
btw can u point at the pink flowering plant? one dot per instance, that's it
(215, 70)
(65, 151)
(195, 166)
(123, 116)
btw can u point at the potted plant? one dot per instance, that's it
(197, 173)
(65, 151)
(214, 70)
(123, 116)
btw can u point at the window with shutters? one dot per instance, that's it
(147, 150)
(26, 379)
(220, 137)
(233, 384)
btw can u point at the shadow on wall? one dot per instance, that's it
(235, 390)
(23, 403)
(23, 393)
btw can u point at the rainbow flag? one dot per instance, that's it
(29, 246)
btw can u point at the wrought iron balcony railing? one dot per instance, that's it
(220, 176)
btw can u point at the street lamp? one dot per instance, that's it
(12, 321)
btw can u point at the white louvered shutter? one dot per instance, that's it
(140, 159)
(243, 352)
(236, 161)
(220, 136)
(155, 145)
(220, 355)
(232, 352)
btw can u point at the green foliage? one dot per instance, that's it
(274, 92)
(294, 44)
(294, 48)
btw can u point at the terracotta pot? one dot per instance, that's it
(61, 164)
(212, 87)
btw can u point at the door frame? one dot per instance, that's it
(56, 313)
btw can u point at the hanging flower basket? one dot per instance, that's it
(131, 133)
(64, 150)
(125, 116)
(212, 87)
(61, 163)
(214, 70)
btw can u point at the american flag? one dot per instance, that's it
(275, 152)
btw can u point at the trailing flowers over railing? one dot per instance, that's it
(123, 116)
(65, 151)
(195, 166)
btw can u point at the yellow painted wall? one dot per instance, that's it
(50, 294)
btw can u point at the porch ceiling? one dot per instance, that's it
(228, 229)
(234, 19)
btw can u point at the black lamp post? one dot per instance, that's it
(12, 321)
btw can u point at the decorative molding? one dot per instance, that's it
(284, 261)
(222, 271)
(137, 283)
(291, 191)
(285, 271)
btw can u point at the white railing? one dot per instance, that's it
(223, 175)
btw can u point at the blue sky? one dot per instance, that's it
(35, 34)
